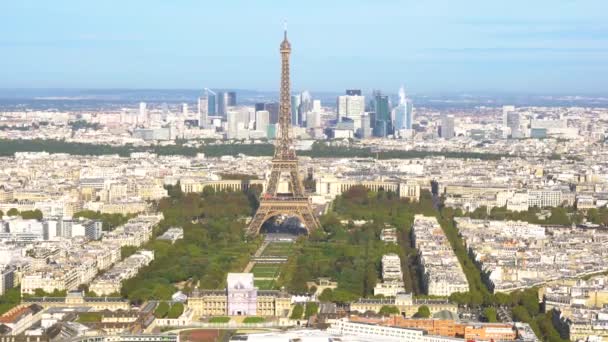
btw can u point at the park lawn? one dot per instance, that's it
(219, 319)
(265, 284)
(89, 317)
(278, 249)
(254, 319)
(266, 270)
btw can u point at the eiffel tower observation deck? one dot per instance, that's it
(294, 202)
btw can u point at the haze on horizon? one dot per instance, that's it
(519, 46)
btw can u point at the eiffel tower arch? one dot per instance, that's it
(284, 165)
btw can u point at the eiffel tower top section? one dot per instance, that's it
(285, 45)
(284, 150)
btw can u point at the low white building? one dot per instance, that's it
(346, 328)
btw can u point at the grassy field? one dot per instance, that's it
(265, 284)
(219, 319)
(278, 249)
(89, 317)
(266, 270)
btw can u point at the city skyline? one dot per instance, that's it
(211, 212)
(432, 48)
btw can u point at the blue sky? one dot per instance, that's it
(431, 46)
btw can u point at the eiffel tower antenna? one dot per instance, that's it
(285, 162)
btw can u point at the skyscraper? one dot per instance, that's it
(273, 109)
(184, 109)
(513, 122)
(295, 110)
(237, 121)
(260, 106)
(206, 107)
(313, 119)
(143, 113)
(306, 104)
(262, 120)
(447, 126)
(404, 115)
(222, 103)
(353, 92)
(211, 101)
(366, 129)
(231, 98)
(316, 105)
(203, 111)
(383, 125)
(505, 112)
(352, 107)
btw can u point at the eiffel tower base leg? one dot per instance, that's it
(298, 208)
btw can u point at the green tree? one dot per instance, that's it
(423, 312)
(12, 212)
(529, 299)
(490, 314)
(460, 298)
(326, 295)
(297, 312)
(311, 309)
(31, 215)
(388, 310)
(10, 299)
(502, 298)
(520, 314)
(126, 251)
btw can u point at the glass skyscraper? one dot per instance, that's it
(212, 103)
(383, 125)
(404, 115)
(295, 110)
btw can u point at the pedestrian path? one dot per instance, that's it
(267, 262)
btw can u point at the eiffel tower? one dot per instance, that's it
(284, 163)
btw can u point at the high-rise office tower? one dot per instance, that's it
(231, 98)
(371, 106)
(383, 126)
(313, 119)
(447, 126)
(316, 105)
(212, 101)
(206, 107)
(351, 106)
(143, 113)
(404, 115)
(366, 130)
(203, 111)
(513, 122)
(262, 120)
(353, 92)
(295, 110)
(505, 112)
(273, 109)
(222, 103)
(184, 109)
(260, 106)
(237, 124)
(306, 104)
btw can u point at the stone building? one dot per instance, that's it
(240, 298)
(406, 304)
